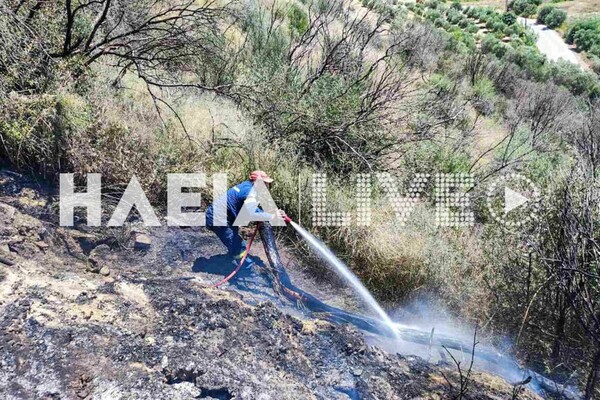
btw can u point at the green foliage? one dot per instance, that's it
(456, 5)
(433, 14)
(584, 33)
(491, 44)
(434, 4)
(595, 62)
(496, 25)
(524, 8)
(484, 96)
(298, 19)
(578, 81)
(453, 16)
(543, 13)
(484, 89)
(585, 39)
(551, 16)
(509, 18)
(35, 131)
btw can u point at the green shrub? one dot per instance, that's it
(496, 25)
(524, 8)
(595, 62)
(433, 14)
(543, 13)
(453, 16)
(484, 96)
(585, 39)
(509, 18)
(588, 24)
(298, 20)
(456, 5)
(551, 16)
(36, 130)
(556, 18)
(575, 79)
(493, 45)
(434, 4)
(511, 31)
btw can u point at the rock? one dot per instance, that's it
(7, 260)
(142, 242)
(105, 271)
(98, 257)
(357, 371)
(71, 245)
(42, 245)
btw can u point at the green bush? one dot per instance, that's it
(453, 16)
(595, 62)
(588, 24)
(493, 45)
(511, 31)
(496, 25)
(525, 8)
(585, 39)
(551, 16)
(575, 79)
(298, 20)
(484, 96)
(543, 13)
(434, 4)
(433, 14)
(556, 18)
(509, 18)
(456, 5)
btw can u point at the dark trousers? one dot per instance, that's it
(230, 236)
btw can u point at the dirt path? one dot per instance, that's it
(550, 43)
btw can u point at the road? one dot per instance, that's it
(550, 43)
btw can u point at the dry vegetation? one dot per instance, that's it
(119, 88)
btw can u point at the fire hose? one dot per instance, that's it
(242, 260)
(283, 285)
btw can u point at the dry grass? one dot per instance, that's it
(575, 8)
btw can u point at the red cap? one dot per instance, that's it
(254, 175)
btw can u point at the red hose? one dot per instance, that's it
(235, 271)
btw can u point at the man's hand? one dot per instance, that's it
(283, 215)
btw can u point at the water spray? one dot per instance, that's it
(344, 272)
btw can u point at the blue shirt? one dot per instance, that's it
(235, 198)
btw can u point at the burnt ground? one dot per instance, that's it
(85, 315)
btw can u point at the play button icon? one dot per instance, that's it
(513, 199)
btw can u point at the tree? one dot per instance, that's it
(156, 39)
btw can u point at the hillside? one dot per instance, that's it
(395, 132)
(72, 330)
